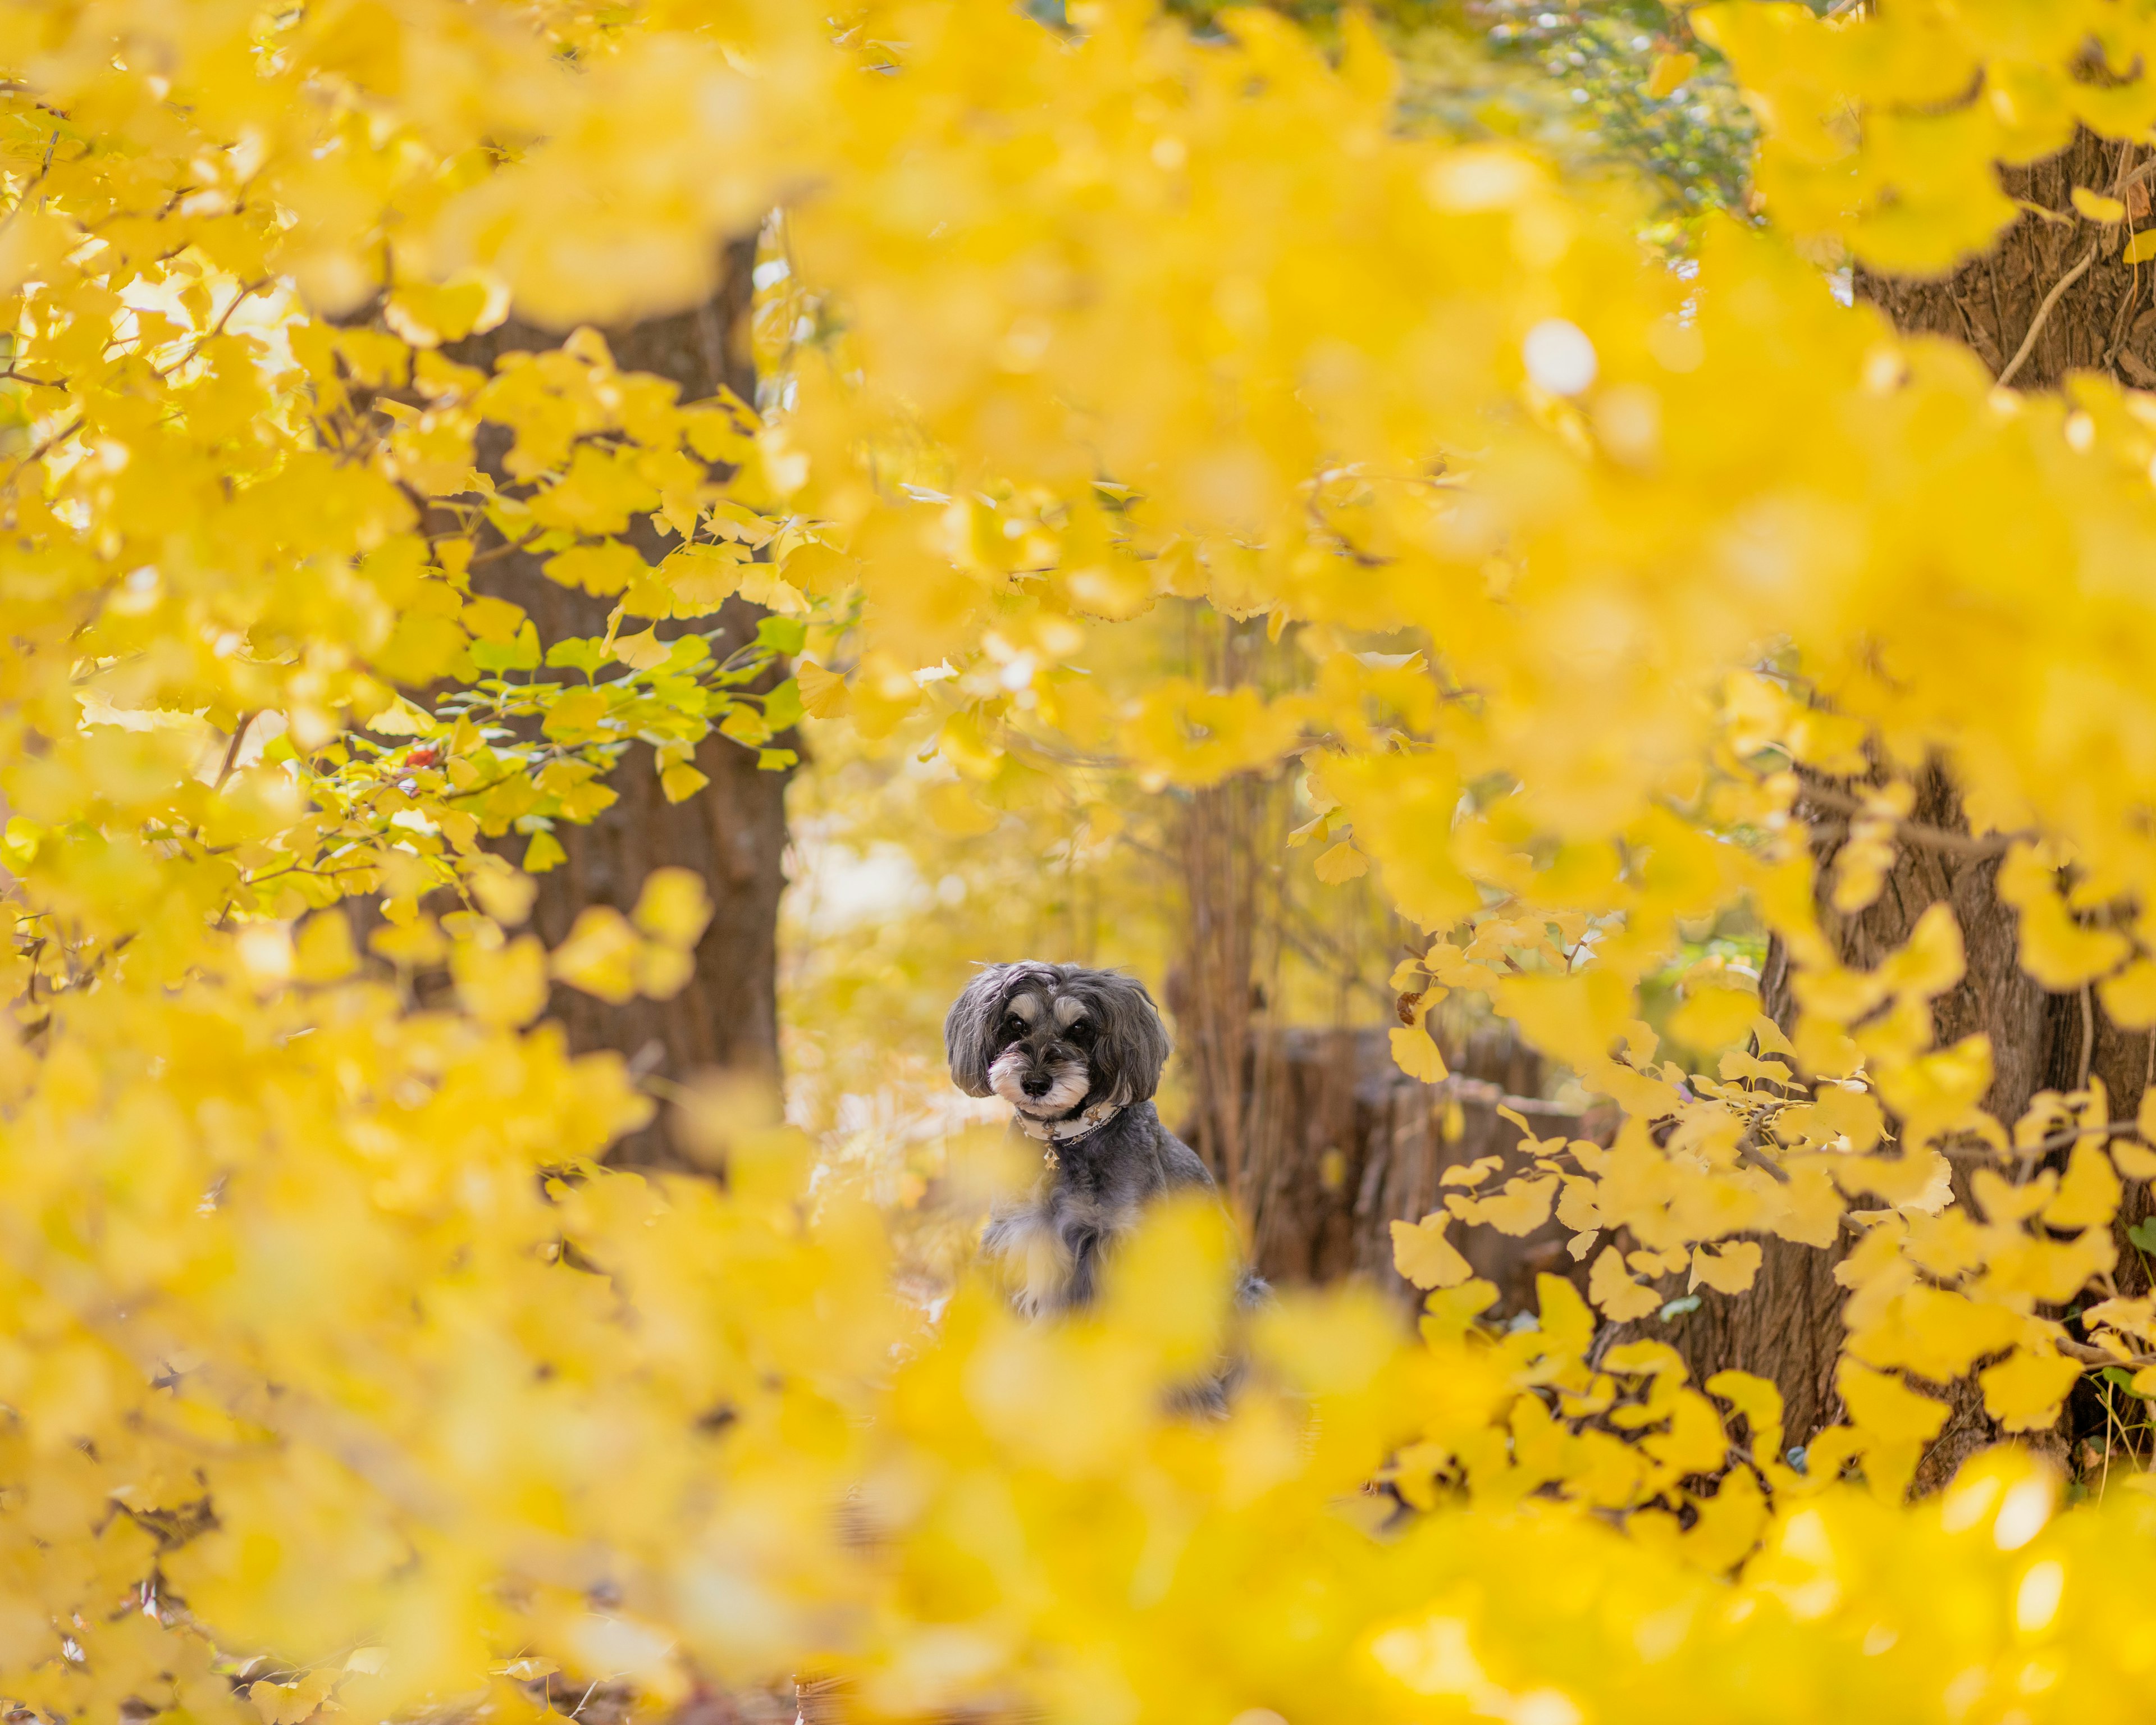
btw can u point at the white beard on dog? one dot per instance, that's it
(1071, 1082)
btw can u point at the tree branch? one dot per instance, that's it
(2044, 311)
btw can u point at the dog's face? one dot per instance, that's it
(1052, 1038)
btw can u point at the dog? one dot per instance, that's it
(1077, 1053)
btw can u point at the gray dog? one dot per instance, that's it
(1078, 1053)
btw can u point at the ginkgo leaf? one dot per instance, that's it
(673, 907)
(543, 853)
(1424, 1256)
(1470, 1174)
(1416, 1054)
(955, 810)
(1729, 1270)
(2088, 1194)
(2141, 248)
(504, 985)
(1881, 1404)
(600, 955)
(2129, 998)
(1518, 1208)
(1341, 864)
(2097, 207)
(823, 692)
(1669, 72)
(642, 651)
(2023, 1391)
(679, 781)
(2136, 1161)
(1611, 1288)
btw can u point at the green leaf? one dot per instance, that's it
(583, 652)
(782, 634)
(1678, 1307)
(2143, 1234)
(684, 651)
(543, 853)
(521, 654)
(781, 707)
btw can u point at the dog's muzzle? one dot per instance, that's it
(1044, 1092)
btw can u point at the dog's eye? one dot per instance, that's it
(1082, 1031)
(1013, 1025)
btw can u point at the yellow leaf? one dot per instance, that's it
(673, 908)
(1729, 1271)
(2137, 1317)
(324, 952)
(504, 893)
(1712, 1017)
(1881, 1405)
(2141, 248)
(543, 853)
(2089, 1194)
(1759, 1400)
(1610, 1287)
(1341, 863)
(642, 651)
(823, 692)
(1518, 1208)
(505, 986)
(2060, 952)
(2097, 207)
(955, 810)
(2137, 1161)
(1669, 72)
(1424, 1256)
(681, 781)
(2023, 1391)
(492, 619)
(1416, 1054)
(2129, 998)
(600, 955)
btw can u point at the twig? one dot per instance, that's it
(2057, 1141)
(2087, 1355)
(2044, 311)
(232, 748)
(1912, 831)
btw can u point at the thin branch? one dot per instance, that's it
(2044, 311)
(1912, 831)
(2096, 1355)
(232, 748)
(2057, 1141)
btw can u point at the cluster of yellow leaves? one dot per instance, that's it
(331, 1342)
(1883, 124)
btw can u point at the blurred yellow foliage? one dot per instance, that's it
(340, 1373)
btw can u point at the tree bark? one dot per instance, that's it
(1788, 1326)
(732, 833)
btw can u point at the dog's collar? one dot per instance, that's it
(1071, 1129)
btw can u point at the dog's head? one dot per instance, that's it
(1052, 1038)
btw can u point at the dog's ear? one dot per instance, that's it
(1130, 1043)
(969, 1029)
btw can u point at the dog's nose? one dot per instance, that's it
(1034, 1084)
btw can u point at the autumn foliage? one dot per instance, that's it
(341, 1374)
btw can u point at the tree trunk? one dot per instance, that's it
(732, 833)
(1788, 1326)
(1355, 1145)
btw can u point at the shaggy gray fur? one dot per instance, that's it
(1030, 1032)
